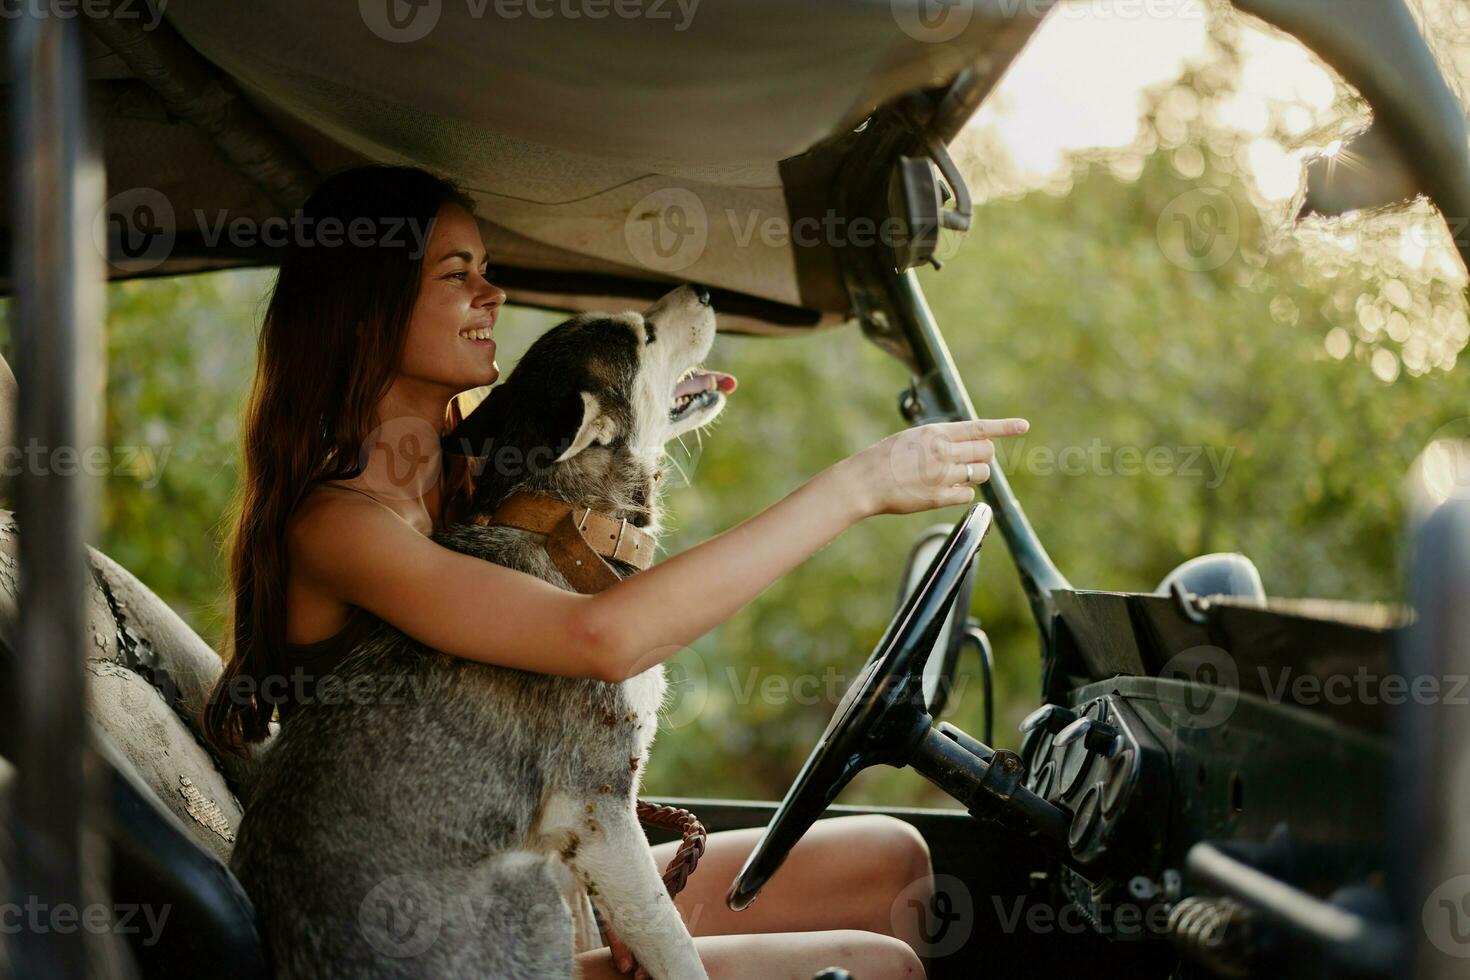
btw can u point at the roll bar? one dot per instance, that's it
(57, 192)
(1379, 50)
(938, 392)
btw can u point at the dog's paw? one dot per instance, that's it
(623, 959)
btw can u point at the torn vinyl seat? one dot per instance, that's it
(173, 805)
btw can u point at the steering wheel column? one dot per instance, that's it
(989, 782)
(883, 719)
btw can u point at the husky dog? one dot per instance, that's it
(434, 828)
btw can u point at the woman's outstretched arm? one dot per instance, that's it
(355, 549)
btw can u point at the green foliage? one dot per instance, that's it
(181, 353)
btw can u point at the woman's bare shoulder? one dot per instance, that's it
(331, 523)
(329, 504)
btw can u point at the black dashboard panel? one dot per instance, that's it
(1282, 652)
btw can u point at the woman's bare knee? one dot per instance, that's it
(786, 956)
(894, 880)
(869, 954)
(897, 847)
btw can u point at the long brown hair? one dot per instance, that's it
(329, 348)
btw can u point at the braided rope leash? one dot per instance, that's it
(686, 858)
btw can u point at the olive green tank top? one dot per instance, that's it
(308, 663)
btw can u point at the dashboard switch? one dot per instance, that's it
(1097, 737)
(1049, 718)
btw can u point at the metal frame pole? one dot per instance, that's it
(57, 274)
(941, 384)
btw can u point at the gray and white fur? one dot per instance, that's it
(431, 824)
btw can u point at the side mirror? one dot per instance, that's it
(959, 629)
(920, 202)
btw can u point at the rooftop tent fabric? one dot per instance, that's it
(636, 140)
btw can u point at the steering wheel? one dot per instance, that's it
(883, 715)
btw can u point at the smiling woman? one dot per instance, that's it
(366, 343)
(335, 332)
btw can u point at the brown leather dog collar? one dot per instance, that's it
(578, 539)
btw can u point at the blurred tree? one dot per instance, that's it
(181, 353)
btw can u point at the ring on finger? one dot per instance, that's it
(969, 475)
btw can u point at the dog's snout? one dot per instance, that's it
(701, 293)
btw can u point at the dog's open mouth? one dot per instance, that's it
(698, 389)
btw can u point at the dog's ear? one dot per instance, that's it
(476, 433)
(595, 426)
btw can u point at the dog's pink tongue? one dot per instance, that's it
(700, 382)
